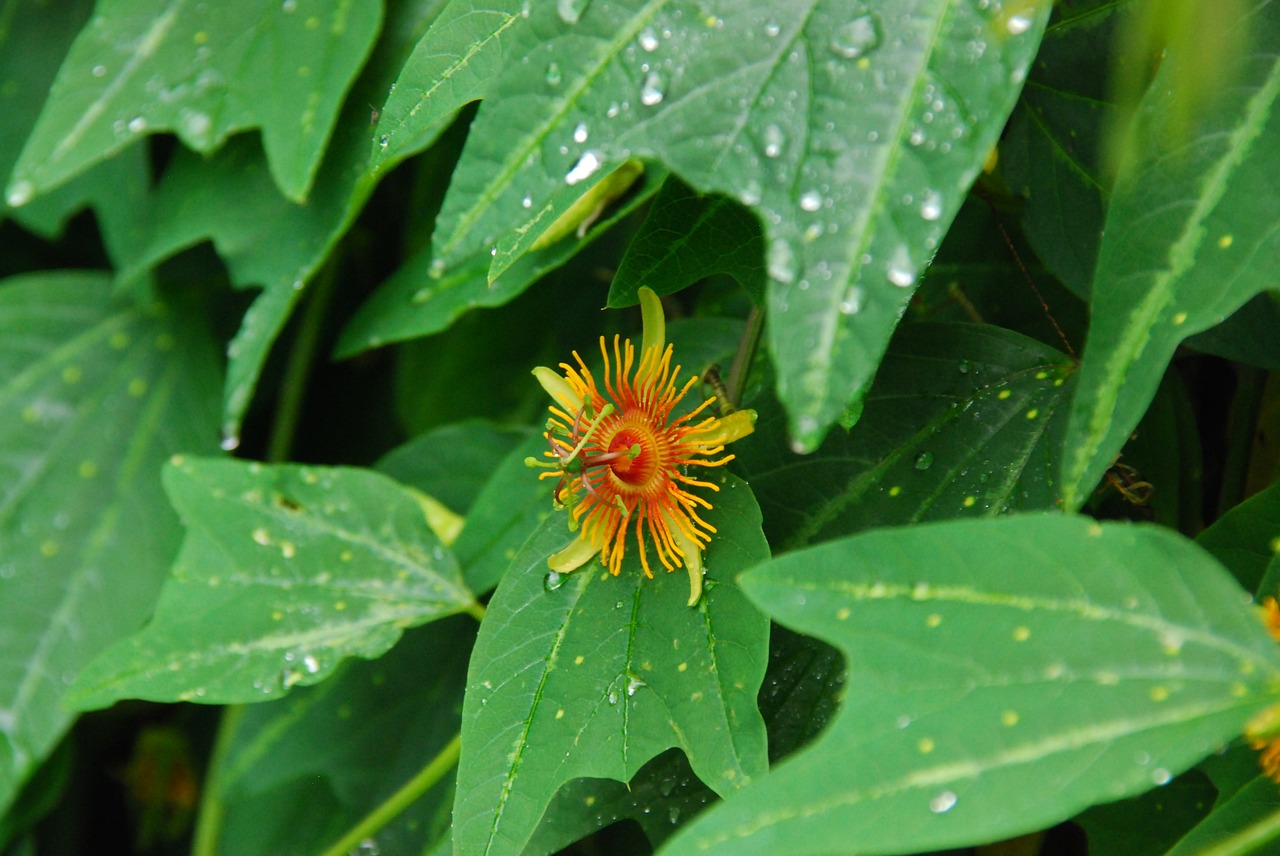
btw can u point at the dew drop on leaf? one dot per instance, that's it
(811, 200)
(584, 168)
(924, 460)
(773, 141)
(553, 581)
(943, 802)
(554, 76)
(859, 37)
(901, 272)
(580, 133)
(649, 41)
(20, 193)
(652, 93)
(931, 206)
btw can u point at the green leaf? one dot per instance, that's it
(285, 571)
(1052, 152)
(591, 675)
(1248, 823)
(228, 196)
(1248, 335)
(1247, 539)
(508, 510)
(198, 70)
(959, 422)
(96, 396)
(1148, 825)
(686, 237)
(1189, 236)
(824, 124)
(453, 463)
(986, 659)
(348, 743)
(418, 301)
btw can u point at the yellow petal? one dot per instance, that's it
(727, 429)
(558, 388)
(653, 322)
(574, 556)
(691, 553)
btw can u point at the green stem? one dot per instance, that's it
(293, 390)
(395, 804)
(209, 820)
(746, 353)
(476, 610)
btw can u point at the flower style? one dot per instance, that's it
(623, 461)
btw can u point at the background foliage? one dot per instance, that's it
(997, 278)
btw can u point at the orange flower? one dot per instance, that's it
(1263, 732)
(623, 460)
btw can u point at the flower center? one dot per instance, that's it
(639, 470)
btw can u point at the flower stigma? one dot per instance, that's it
(623, 460)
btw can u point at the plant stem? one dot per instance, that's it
(476, 610)
(1242, 421)
(209, 820)
(293, 389)
(743, 358)
(409, 792)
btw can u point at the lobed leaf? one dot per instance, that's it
(95, 397)
(959, 422)
(591, 675)
(285, 571)
(198, 70)
(854, 138)
(1190, 233)
(987, 658)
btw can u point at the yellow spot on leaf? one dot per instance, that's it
(1021, 634)
(49, 549)
(261, 536)
(1226, 241)
(1041, 375)
(682, 667)
(1003, 394)
(560, 713)
(969, 501)
(842, 613)
(577, 661)
(200, 37)
(1159, 693)
(925, 745)
(72, 374)
(137, 387)
(277, 615)
(1179, 319)
(287, 549)
(1009, 718)
(1033, 413)
(88, 469)
(895, 490)
(933, 620)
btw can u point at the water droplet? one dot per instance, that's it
(311, 664)
(931, 205)
(649, 41)
(527, 202)
(137, 124)
(580, 133)
(1018, 24)
(773, 141)
(924, 460)
(584, 168)
(771, 29)
(289, 5)
(901, 272)
(811, 200)
(852, 303)
(781, 261)
(99, 70)
(435, 270)
(230, 442)
(652, 93)
(553, 73)
(1161, 776)
(571, 10)
(964, 366)
(553, 581)
(673, 814)
(613, 697)
(633, 684)
(20, 193)
(943, 802)
(856, 38)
